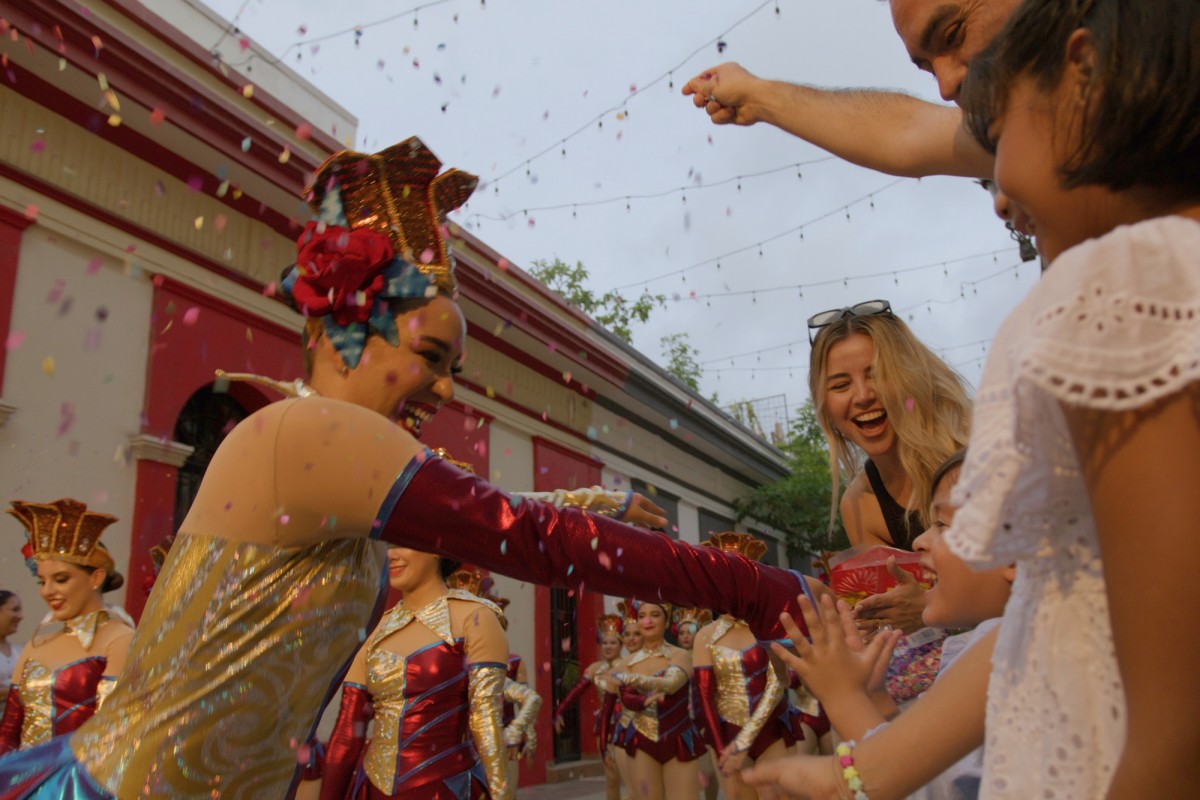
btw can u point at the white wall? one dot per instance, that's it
(78, 382)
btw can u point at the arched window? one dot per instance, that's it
(203, 423)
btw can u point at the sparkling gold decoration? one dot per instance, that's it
(398, 192)
(37, 696)
(695, 616)
(467, 579)
(527, 703)
(485, 690)
(293, 388)
(749, 546)
(444, 454)
(65, 531)
(596, 500)
(224, 679)
(609, 623)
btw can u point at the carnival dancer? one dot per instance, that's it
(433, 673)
(742, 689)
(67, 670)
(686, 623)
(608, 628)
(631, 634)
(658, 748)
(11, 615)
(295, 493)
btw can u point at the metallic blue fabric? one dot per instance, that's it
(47, 772)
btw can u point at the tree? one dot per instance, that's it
(798, 505)
(681, 359)
(611, 309)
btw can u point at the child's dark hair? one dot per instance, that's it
(945, 468)
(1141, 116)
(5, 596)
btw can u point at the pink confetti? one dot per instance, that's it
(909, 404)
(502, 265)
(15, 340)
(426, 255)
(303, 131)
(31, 212)
(94, 266)
(38, 146)
(191, 315)
(284, 519)
(157, 116)
(243, 44)
(66, 418)
(605, 561)
(195, 183)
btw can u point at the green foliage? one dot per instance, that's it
(681, 359)
(611, 309)
(798, 505)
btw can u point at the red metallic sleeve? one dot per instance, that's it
(10, 726)
(706, 683)
(607, 715)
(632, 700)
(573, 696)
(346, 743)
(435, 507)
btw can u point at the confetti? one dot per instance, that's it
(114, 120)
(48, 366)
(285, 155)
(31, 212)
(157, 116)
(426, 255)
(303, 131)
(111, 98)
(14, 340)
(38, 146)
(909, 404)
(66, 418)
(195, 183)
(502, 265)
(199, 223)
(191, 315)
(246, 144)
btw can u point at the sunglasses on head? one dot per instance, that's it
(870, 308)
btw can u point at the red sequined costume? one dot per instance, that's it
(742, 700)
(422, 747)
(663, 731)
(49, 703)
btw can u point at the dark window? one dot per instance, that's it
(772, 555)
(668, 502)
(711, 523)
(565, 670)
(203, 423)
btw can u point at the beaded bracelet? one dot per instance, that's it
(845, 760)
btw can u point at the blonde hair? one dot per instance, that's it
(925, 400)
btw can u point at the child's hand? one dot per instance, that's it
(836, 662)
(796, 776)
(900, 607)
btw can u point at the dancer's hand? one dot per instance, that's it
(728, 93)
(900, 607)
(805, 777)
(558, 724)
(731, 761)
(836, 662)
(643, 513)
(654, 698)
(514, 753)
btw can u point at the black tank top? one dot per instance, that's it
(893, 513)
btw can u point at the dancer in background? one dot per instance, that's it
(631, 634)
(608, 629)
(657, 749)
(67, 670)
(687, 623)
(742, 689)
(431, 677)
(11, 615)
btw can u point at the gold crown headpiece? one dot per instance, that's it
(609, 623)
(397, 192)
(65, 531)
(744, 544)
(696, 616)
(466, 579)
(626, 608)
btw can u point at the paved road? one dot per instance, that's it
(582, 789)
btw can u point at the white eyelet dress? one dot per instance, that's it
(1113, 325)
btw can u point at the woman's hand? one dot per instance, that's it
(805, 777)
(900, 607)
(643, 513)
(731, 761)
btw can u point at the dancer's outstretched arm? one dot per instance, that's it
(440, 509)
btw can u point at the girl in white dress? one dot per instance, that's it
(1085, 447)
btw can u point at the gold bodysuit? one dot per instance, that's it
(232, 662)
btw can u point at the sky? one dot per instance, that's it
(565, 108)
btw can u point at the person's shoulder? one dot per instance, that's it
(1158, 257)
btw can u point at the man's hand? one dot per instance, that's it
(728, 93)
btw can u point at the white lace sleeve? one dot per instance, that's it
(1114, 324)
(1117, 324)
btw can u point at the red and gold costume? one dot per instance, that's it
(48, 700)
(437, 732)
(742, 696)
(664, 731)
(606, 624)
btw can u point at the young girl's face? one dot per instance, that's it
(610, 646)
(960, 597)
(1035, 136)
(632, 636)
(686, 635)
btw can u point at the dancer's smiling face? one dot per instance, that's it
(610, 646)
(652, 621)
(631, 635)
(68, 589)
(852, 402)
(409, 569)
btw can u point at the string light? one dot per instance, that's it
(761, 242)
(641, 87)
(656, 195)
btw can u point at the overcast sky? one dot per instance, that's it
(489, 86)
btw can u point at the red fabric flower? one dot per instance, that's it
(334, 266)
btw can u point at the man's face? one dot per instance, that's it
(942, 36)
